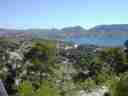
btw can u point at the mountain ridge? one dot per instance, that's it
(75, 28)
(74, 31)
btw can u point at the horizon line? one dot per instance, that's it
(59, 28)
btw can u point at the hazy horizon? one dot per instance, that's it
(58, 28)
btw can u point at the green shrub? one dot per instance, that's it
(45, 89)
(119, 87)
(26, 89)
(87, 85)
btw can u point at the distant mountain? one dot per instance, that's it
(110, 28)
(76, 31)
(58, 33)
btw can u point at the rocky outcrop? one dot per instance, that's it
(2, 89)
(101, 91)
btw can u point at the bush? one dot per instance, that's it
(45, 89)
(26, 89)
(119, 87)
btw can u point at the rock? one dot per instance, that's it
(14, 55)
(96, 92)
(2, 89)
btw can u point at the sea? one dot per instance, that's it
(101, 40)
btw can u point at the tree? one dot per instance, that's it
(41, 58)
(115, 58)
(126, 43)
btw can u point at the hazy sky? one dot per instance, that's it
(61, 13)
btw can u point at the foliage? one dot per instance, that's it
(26, 89)
(104, 78)
(126, 43)
(87, 85)
(120, 87)
(45, 89)
(41, 75)
(115, 58)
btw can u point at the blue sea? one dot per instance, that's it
(102, 41)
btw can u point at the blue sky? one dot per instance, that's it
(62, 13)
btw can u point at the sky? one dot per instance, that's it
(61, 13)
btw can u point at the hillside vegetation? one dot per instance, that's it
(40, 68)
